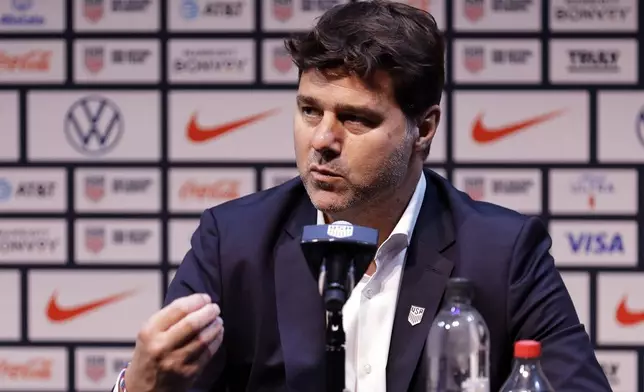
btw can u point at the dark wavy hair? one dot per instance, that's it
(363, 37)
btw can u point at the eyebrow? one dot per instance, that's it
(354, 109)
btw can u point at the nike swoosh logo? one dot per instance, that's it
(59, 314)
(483, 134)
(198, 134)
(627, 317)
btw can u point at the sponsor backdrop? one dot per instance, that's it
(122, 120)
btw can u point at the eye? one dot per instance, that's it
(309, 111)
(358, 120)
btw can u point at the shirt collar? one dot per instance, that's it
(405, 225)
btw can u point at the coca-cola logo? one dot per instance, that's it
(34, 60)
(33, 369)
(221, 189)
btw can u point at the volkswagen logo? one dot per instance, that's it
(93, 125)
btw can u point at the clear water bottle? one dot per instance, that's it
(458, 345)
(527, 375)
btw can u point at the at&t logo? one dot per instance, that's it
(6, 190)
(93, 125)
(189, 9)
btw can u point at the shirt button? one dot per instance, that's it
(369, 293)
(367, 369)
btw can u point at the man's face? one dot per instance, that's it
(351, 143)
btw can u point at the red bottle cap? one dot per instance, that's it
(527, 349)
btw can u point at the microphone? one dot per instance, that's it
(338, 255)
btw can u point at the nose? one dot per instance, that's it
(327, 137)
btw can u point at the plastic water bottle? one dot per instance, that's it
(458, 345)
(527, 375)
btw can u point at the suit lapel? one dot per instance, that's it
(300, 309)
(424, 279)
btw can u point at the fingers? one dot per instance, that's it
(212, 334)
(177, 310)
(205, 344)
(178, 340)
(190, 325)
(214, 345)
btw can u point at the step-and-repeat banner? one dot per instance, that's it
(111, 145)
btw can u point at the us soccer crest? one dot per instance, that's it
(95, 188)
(282, 59)
(94, 58)
(340, 230)
(473, 9)
(415, 315)
(474, 187)
(474, 58)
(93, 10)
(95, 239)
(283, 10)
(95, 367)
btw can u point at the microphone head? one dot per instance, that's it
(352, 246)
(341, 231)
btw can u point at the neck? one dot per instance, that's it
(384, 212)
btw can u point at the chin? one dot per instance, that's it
(327, 197)
(327, 201)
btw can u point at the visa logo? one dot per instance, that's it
(597, 243)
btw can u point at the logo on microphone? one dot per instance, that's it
(340, 229)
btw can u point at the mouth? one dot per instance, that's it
(320, 171)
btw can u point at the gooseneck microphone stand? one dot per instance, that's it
(335, 271)
(338, 256)
(335, 354)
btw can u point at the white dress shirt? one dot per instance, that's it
(368, 314)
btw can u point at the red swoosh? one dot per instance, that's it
(483, 134)
(59, 314)
(625, 316)
(198, 134)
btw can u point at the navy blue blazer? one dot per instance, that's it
(246, 255)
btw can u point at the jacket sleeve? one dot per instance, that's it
(540, 308)
(199, 272)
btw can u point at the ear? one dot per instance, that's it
(427, 125)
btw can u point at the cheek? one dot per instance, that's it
(367, 158)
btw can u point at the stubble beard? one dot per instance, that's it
(390, 174)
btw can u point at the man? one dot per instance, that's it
(367, 108)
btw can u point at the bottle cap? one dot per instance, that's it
(527, 349)
(460, 287)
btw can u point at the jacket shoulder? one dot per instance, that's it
(480, 218)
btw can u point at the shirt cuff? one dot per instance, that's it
(119, 381)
